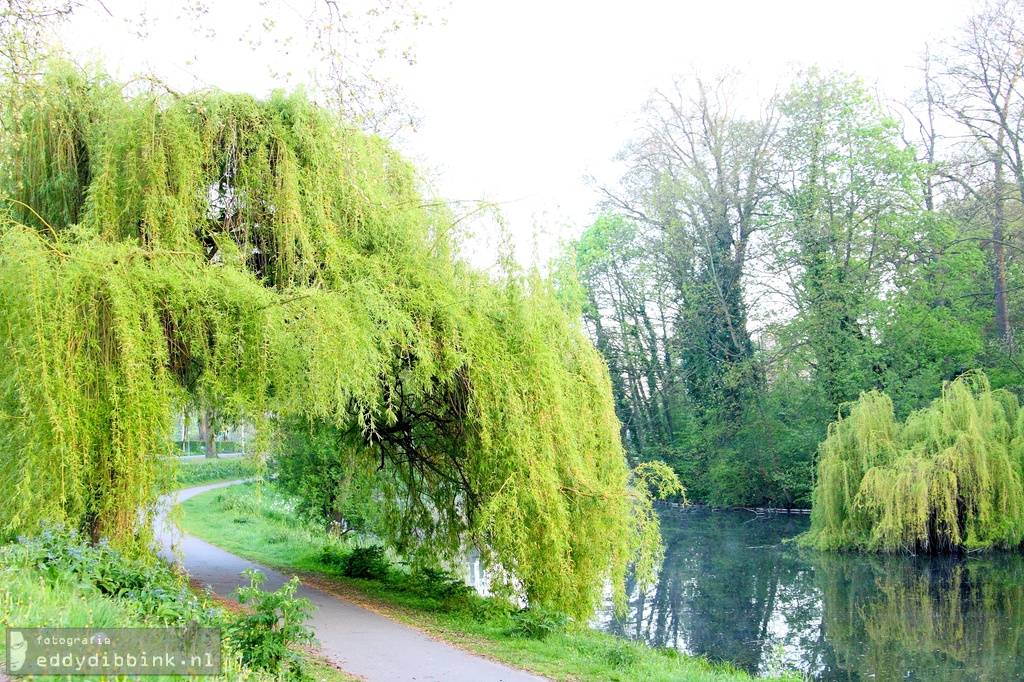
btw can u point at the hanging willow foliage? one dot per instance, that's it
(258, 255)
(947, 479)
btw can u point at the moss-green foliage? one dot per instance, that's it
(947, 478)
(161, 250)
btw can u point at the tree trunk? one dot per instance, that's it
(206, 432)
(999, 253)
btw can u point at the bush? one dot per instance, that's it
(266, 637)
(440, 584)
(537, 623)
(145, 585)
(367, 562)
(333, 557)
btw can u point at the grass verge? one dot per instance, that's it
(193, 472)
(58, 580)
(259, 524)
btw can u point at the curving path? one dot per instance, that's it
(360, 641)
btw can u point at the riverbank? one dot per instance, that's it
(755, 510)
(259, 526)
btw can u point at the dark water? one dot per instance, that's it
(732, 591)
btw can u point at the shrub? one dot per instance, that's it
(266, 637)
(537, 623)
(333, 557)
(440, 584)
(367, 562)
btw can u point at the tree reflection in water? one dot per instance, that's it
(731, 590)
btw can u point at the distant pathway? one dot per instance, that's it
(362, 642)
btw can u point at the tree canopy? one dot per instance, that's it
(757, 267)
(164, 248)
(948, 478)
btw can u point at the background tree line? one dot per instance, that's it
(762, 262)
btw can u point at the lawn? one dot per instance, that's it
(193, 472)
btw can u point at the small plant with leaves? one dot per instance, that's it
(149, 588)
(537, 623)
(266, 636)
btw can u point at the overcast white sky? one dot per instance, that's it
(520, 100)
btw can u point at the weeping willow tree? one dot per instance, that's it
(949, 478)
(160, 249)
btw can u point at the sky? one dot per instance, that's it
(522, 103)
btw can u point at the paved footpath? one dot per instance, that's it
(360, 641)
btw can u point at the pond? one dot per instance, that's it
(731, 590)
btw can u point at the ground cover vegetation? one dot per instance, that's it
(271, 526)
(61, 579)
(192, 472)
(765, 261)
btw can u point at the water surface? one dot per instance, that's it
(731, 590)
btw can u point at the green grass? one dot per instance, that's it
(67, 584)
(257, 522)
(192, 472)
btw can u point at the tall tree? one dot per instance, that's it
(697, 178)
(664, 270)
(628, 310)
(329, 294)
(846, 199)
(979, 86)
